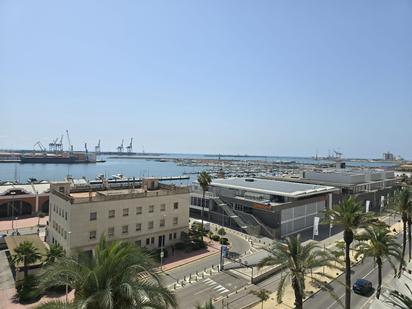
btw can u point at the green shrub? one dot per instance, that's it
(210, 234)
(216, 237)
(27, 291)
(224, 241)
(221, 231)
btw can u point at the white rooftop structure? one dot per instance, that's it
(273, 187)
(38, 188)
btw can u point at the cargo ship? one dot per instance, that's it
(63, 158)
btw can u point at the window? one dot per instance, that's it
(174, 235)
(162, 222)
(112, 213)
(110, 232)
(138, 243)
(176, 205)
(175, 220)
(150, 225)
(65, 215)
(92, 235)
(138, 227)
(138, 210)
(151, 208)
(93, 216)
(61, 189)
(152, 240)
(147, 241)
(162, 207)
(125, 212)
(125, 229)
(170, 236)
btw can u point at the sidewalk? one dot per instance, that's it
(6, 226)
(182, 258)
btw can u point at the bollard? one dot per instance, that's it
(184, 278)
(203, 275)
(174, 286)
(190, 277)
(210, 272)
(197, 273)
(205, 269)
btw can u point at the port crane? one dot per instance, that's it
(70, 144)
(97, 148)
(53, 145)
(121, 147)
(338, 154)
(41, 147)
(130, 147)
(59, 145)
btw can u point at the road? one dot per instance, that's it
(214, 287)
(238, 247)
(365, 270)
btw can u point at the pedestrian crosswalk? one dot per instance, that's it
(219, 288)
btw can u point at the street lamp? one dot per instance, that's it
(67, 276)
(12, 210)
(162, 242)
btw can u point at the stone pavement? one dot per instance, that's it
(5, 225)
(182, 258)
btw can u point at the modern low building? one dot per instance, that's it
(260, 206)
(151, 215)
(19, 200)
(364, 184)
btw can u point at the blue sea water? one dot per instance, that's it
(133, 168)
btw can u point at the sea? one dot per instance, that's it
(137, 167)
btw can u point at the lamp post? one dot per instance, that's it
(162, 242)
(67, 276)
(12, 210)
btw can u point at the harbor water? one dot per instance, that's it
(139, 167)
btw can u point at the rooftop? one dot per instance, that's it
(274, 187)
(78, 197)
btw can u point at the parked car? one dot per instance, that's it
(362, 286)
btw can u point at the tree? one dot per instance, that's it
(298, 260)
(349, 214)
(207, 305)
(262, 294)
(402, 204)
(27, 254)
(54, 252)
(204, 180)
(118, 275)
(399, 300)
(221, 231)
(378, 244)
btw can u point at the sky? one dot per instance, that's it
(286, 78)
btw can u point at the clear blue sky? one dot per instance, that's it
(256, 77)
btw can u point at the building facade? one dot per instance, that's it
(260, 206)
(153, 215)
(23, 200)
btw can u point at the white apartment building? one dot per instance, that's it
(147, 216)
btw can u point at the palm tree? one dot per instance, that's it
(204, 180)
(298, 260)
(207, 305)
(349, 214)
(263, 295)
(27, 254)
(118, 275)
(54, 252)
(378, 243)
(402, 204)
(398, 300)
